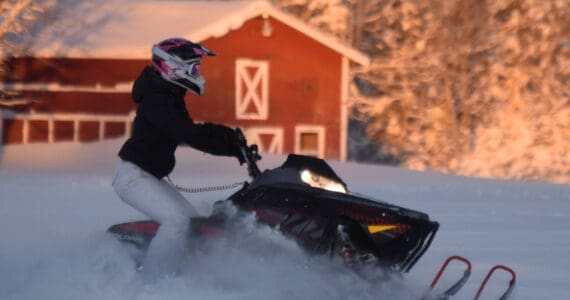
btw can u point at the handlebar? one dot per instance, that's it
(250, 154)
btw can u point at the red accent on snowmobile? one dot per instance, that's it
(146, 227)
(402, 228)
(490, 273)
(267, 216)
(209, 230)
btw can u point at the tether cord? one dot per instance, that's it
(205, 188)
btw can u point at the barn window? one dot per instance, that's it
(252, 89)
(310, 140)
(268, 139)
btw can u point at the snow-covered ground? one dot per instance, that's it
(56, 202)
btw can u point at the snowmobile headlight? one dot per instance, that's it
(318, 181)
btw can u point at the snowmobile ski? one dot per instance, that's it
(458, 284)
(451, 291)
(510, 288)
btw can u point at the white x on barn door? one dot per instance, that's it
(268, 139)
(252, 89)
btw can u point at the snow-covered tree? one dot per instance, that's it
(330, 15)
(17, 18)
(523, 85)
(478, 88)
(29, 25)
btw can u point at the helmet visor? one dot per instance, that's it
(192, 66)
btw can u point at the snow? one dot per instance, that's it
(56, 201)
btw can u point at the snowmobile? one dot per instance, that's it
(308, 202)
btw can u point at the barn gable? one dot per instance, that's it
(130, 26)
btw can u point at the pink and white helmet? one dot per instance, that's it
(178, 61)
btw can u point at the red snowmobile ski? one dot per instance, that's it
(451, 291)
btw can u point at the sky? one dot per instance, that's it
(56, 201)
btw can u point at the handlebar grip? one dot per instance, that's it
(240, 137)
(250, 154)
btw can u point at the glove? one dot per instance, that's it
(240, 157)
(232, 141)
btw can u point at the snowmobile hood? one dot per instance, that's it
(320, 219)
(316, 165)
(289, 177)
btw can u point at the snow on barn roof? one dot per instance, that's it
(127, 29)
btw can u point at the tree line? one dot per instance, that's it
(472, 87)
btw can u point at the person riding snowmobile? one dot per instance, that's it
(162, 123)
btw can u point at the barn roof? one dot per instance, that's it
(127, 28)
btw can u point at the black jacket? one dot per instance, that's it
(162, 123)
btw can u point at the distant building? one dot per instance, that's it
(284, 82)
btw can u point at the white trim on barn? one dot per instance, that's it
(1, 126)
(320, 131)
(344, 105)
(123, 87)
(247, 87)
(75, 118)
(254, 136)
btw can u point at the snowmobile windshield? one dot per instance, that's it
(315, 172)
(321, 182)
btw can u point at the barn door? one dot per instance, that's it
(252, 89)
(268, 139)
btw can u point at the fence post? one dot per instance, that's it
(51, 129)
(26, 130)
(75, 131)
(101, 129)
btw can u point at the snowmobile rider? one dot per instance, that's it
(162, 123)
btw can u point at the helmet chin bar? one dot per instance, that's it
(195, 86)
(176, 71)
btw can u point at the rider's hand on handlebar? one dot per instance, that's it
(239, 143)
(239, 156)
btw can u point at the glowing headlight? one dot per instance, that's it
(321, 182)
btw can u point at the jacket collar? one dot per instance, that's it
(156, 79)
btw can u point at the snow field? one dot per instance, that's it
(53, 214)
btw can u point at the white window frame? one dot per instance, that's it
(243, 80)
(253, 135)
(77, 118)
(319, 130)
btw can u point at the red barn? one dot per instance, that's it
(283, 82)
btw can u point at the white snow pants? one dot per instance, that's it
(164, 204)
